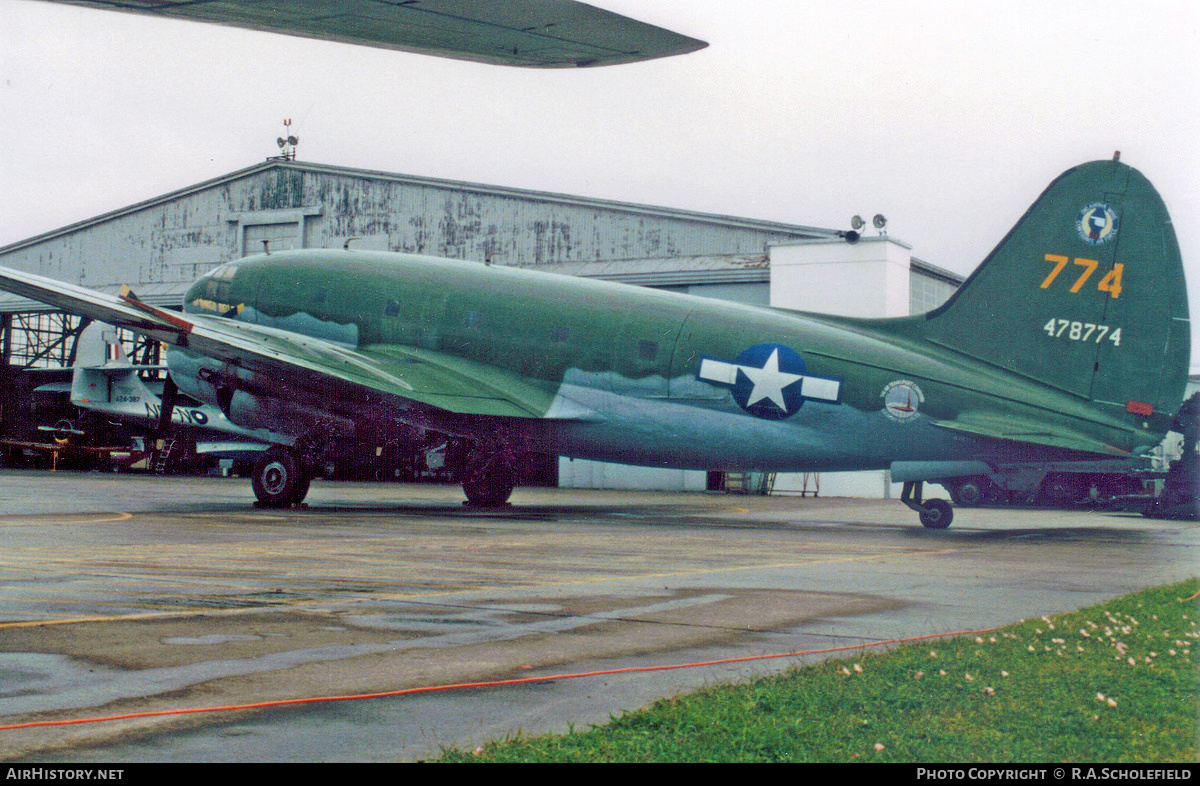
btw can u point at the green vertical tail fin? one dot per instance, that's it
(1085, 294)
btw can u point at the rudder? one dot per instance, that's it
(1086, 294)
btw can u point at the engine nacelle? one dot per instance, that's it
(283, 416)
(204, 379)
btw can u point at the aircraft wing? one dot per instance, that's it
(531, 33)
(94, 305)
(1017, 430)
(353, 374)
(319, 368)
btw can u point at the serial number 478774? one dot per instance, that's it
(1082, 331)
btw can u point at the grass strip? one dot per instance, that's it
(1116, 682)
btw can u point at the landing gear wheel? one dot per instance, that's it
(936, 514)
(1064, 490)
(278, 479)
(969, 494)
(301, 490)
(489, 478)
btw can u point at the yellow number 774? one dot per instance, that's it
(1111, 283)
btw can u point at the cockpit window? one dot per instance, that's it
(216, 289)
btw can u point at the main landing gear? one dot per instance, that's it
(279, 478)
(281, 475)
(489, 475)
(935, 513)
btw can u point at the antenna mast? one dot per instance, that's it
(287, 144)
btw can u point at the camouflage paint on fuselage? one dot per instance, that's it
(632, 356)
(1070, 341)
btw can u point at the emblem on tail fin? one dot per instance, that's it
(1097, 224)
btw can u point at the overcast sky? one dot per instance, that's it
(948, 117)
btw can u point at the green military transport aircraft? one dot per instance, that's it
(1070, 342)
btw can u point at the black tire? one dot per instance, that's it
(969, 493)
(278, 479)
(936, 514)
(1064, 489)
(301, 488)
(488, 480)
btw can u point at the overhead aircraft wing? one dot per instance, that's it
(316, 367)
(1037, 433)
(531, 33)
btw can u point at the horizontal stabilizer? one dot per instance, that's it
(1016, 430)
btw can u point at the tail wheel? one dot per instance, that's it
(278, 479)
(489, 478)
(937, 514)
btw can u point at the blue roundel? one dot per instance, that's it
(1097, 223)
(768, 381)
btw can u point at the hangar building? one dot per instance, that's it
(158, 247)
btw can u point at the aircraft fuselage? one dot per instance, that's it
(639, 376)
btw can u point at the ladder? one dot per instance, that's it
(749, 483)
(164, 455)
(735, 482)
(815, 479)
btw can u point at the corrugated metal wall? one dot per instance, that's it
(177, 237)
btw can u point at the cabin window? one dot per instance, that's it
(217, 288)
(320, 295)
(647, 350)
(559, 334)
(472, 320)
(392, 309)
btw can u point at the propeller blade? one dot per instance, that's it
(168, 404)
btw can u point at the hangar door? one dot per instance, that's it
(279, 237)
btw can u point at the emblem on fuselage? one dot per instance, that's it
(769, 381)
(1096, 224)
(901, 399)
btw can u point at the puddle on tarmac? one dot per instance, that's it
(211, 638)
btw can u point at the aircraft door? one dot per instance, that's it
(709, 333)
(645, 346)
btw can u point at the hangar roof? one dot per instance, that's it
(457, 185)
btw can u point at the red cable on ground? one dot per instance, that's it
(491, 684)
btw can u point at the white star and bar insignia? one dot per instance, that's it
(769, 380)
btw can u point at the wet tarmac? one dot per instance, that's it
(128, 594)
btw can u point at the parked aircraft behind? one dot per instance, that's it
(124, 406)
(117, 391)
(1069, 342)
